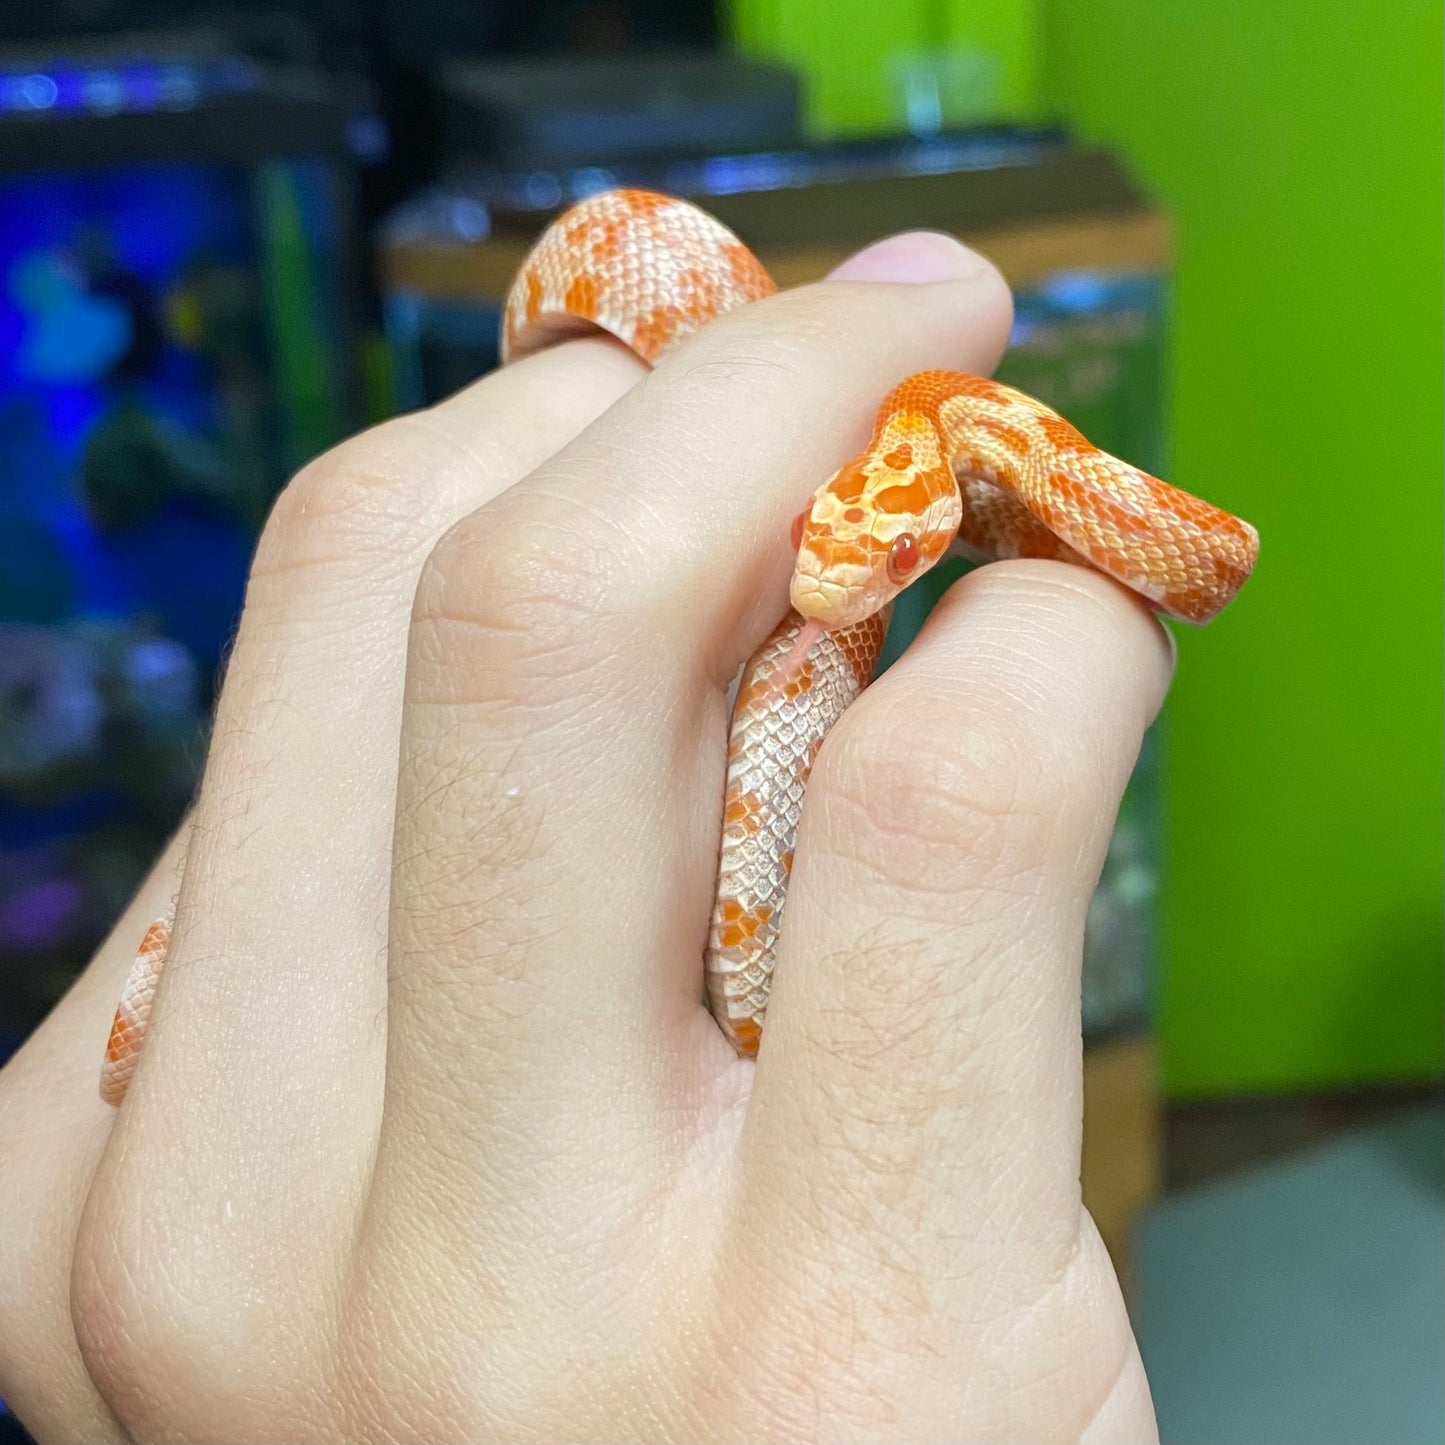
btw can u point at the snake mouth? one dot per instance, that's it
(820, 601)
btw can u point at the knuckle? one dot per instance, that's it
(159, 1305)
(507, 557)
(351, 501)
(125, 1329)
(517, 586)
(914, 787)
(35, 1332)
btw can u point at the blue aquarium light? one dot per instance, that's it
(126, 87)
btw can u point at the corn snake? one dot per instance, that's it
(956, 462)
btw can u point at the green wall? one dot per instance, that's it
(850, 51)
(1298, 145)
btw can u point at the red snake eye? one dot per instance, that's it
(903, 557)
(799, 522)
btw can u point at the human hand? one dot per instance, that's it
(433, 1137)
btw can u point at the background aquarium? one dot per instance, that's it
(172, 343)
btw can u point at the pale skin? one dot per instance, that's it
(433, 1137)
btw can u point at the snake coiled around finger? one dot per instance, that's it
(956, 462)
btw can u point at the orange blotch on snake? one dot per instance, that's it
(799, 522)
(746, 1036)
(854, 515)
(534, 295)
(910, 498)
(1066, 488)
(1063, 436)
(604, 246)
(654, 331)
(747, 271)
(581, 298)
(698, 295)
(901, 456)
(741, 808)
(850, 484)
(1014, 438)
(790, 676)
(644, 204)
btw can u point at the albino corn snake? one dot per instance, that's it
(955, 462)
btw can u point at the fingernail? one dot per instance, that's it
(913, 256)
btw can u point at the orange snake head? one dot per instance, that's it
(877, 524)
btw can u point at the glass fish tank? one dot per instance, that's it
(1088, 261)
(176, 336)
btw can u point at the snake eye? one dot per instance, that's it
(903, 557)
(799, 522)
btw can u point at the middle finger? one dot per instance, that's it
(563, 741)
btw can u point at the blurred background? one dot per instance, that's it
(231, 235)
